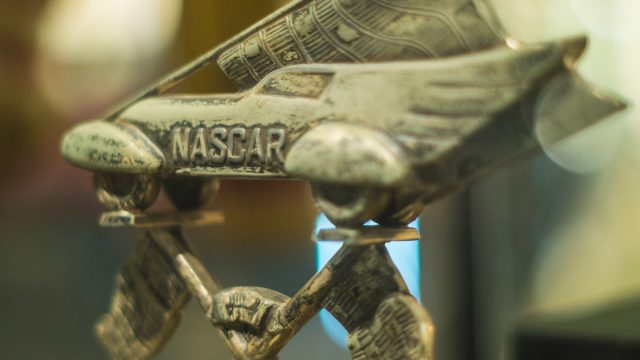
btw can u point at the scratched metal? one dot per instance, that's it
(347, 31)
(360, 286)
(460, 26)
(146, 305)
(123, 218)
(376, 141)
(382, 106)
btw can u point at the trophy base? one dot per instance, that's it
(368, 235)
(123, 218)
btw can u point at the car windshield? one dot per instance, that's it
(295, 84)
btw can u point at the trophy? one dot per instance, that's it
(383, 106)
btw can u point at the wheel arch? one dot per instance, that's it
(349, 154)
(111, 147)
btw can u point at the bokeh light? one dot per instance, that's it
(89, 51)
(96, 31)
(591, 150)
(611, 19)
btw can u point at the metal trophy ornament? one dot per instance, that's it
(381, 105)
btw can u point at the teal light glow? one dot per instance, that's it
(406, 256)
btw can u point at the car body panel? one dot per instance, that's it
(349, 154)
(451, 119)
(244, 138)
(345, 31)
(359, 31)
(113, 147)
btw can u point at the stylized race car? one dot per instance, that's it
(376, 141)
(382, 105)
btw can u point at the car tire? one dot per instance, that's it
(118, 191)
(348, 205)
(190, 193)
(400, 211)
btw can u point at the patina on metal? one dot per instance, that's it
(378, 116)
(383, 106)
(360, 286)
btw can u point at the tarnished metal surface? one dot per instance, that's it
(360, 286)
(104, 146)
(349, 154)
(423, 128)
(368, 235)
(449, 26)
(146, 306)
(378, 339)
(383, 106)
(118, 219)
(341, 31)
(124, 192)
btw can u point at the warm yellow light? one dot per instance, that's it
(92, 52)
(98, 30)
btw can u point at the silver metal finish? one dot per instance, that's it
(119, 219)
(368, 235)
(382, 105)
(419, 128)
(146, 305)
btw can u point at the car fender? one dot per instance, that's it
(348, 154)
(114, 147)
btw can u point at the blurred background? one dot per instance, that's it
(549, 246)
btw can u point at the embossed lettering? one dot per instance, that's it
(241, 135)
(219, 154)
(199, 151)
(180, 143)
(275, 145)
(254, 147)
(231, 146)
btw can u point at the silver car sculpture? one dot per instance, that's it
(376, 140)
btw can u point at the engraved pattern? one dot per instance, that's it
(370, 277)
(360, 286)
(377, 42)
(247, 310)
(461, 118)
(418, 8)
(401, 330)
(332, 31)
(145, 309)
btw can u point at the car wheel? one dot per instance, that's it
(118, 191)
(400, 211)
(348, 205)
(189, 193)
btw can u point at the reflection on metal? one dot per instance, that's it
(123, 218)
(368, 235)
(384, 106)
